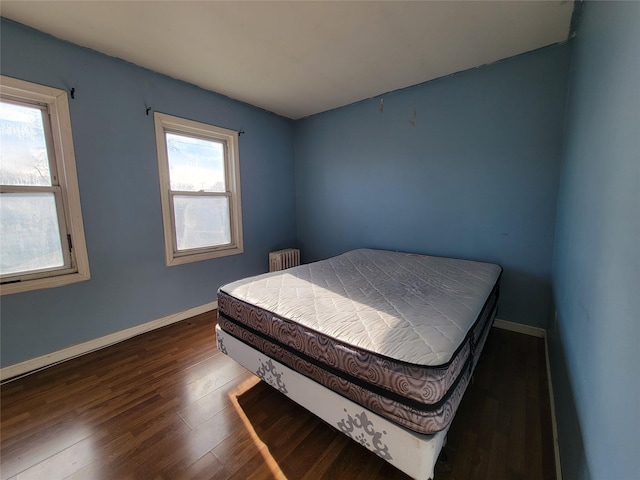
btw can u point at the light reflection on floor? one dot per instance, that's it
(270, 462)
(67, 461)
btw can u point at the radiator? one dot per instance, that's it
(281, 259)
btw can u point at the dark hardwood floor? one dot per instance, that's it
(169, 405)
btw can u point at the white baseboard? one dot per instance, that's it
(519, 328)
(98, 343)
(540, 333)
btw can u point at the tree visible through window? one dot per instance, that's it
(31, 236)
(40, 219)
(200, 182)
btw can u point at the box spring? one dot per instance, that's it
(413, 453)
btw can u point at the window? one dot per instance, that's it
(42, 240)
(199, 175)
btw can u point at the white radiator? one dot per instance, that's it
(281, 259)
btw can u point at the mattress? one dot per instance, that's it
(397, 333)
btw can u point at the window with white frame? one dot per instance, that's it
(199, 173)
(42, 240)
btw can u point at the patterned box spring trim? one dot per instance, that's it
(423, 384)
(425, 419)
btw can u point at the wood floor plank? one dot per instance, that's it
(208, 467)
(208, 405)
(26, 452)
(318, 439)
(168, 405)
(64, 463)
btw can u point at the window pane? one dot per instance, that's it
(201, 221)
(23, 148)
(29, 233)
(195, 165)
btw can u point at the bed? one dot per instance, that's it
(379, 344)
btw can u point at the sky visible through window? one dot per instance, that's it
(195, 164)
(29, 229)
(23, 150)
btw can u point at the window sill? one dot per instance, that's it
(197, 257)
(42, 283)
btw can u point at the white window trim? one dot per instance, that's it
(164, 123)
(62, 139)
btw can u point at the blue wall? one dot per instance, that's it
(118, 179)
(475, 175)
(596, 273)
(470, 165)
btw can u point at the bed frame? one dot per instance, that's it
(413, 453)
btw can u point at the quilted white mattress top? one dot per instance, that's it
(413, 308)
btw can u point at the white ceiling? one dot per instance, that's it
(301, 58)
